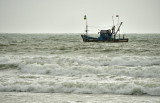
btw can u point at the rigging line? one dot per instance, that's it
(99, 26)
(102, 27)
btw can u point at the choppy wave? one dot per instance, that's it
(62, 65)
(61, 74)
(85, 87)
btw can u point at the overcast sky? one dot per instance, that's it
(66, 16)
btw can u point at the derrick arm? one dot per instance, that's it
(118, 28)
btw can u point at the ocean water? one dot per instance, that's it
(63, 68)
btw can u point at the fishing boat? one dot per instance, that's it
(108, 35)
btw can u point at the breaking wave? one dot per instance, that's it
(39, 86)
(61, 65)
(131, 75)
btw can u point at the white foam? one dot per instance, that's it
(81, 74)
(41, 86)
(70, 65)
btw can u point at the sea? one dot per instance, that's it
(61, 68)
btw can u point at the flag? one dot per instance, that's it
(85, 17)
(117, 15)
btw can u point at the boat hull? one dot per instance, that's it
(93, 39)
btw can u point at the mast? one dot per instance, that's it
(113, 28)
(85, 18)
(118, 19)
(113, 20)
(86, 28)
